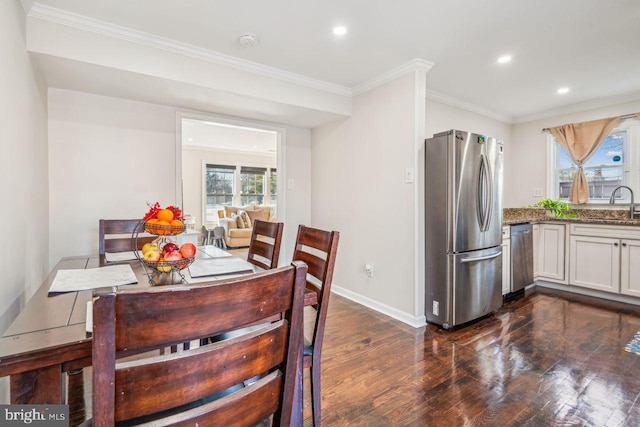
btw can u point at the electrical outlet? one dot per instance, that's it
(290, 184)
(537, 192)
(368, 268)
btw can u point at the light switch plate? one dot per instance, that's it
(408, 175)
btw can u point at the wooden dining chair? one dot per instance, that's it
(115, 235)
(201, 386)
(264, 247)
(317, 248)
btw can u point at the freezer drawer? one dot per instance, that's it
(477, 284)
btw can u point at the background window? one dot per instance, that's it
(273, 185)
(219, 184)
(252, 185)
(604, 169)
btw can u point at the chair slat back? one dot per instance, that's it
(174, 384)
(123, 229)
(318, 249)
(264, 247)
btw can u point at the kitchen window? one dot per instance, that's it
(614, 163)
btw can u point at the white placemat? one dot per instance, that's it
(215, 252)
(92, 278)
(121, 256)
(219, 266)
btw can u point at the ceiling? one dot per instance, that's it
(205, 134)
(590, 46)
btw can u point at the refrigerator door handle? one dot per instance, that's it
(480, 201)
(485, 196)
(482, 258)
(489, 193)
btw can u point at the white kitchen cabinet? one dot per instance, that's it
(606, 258)
(535, 229)
(506, 260)
(595, 263)
(550, 252)
(630, 267)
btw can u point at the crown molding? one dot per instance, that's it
(411, 66)
(59, 16)
(582, 106)
(26, 5)
(467, 106)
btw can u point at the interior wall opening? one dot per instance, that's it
(225, 164)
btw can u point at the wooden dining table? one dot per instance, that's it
(49, 339)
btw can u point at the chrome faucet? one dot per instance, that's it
(612, 200)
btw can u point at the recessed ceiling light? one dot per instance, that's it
(563, 90)
(504, 59)
(340, 31)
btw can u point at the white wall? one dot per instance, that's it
(527, 161)
(24, 189)
(24, 193)
(358, 189)
(442, 117)
(110, 156)
(297, 200)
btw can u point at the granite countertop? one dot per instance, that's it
(584, 216)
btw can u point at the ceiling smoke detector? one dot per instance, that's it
(248, 40)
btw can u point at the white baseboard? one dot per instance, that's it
(416, 322)
(589, 292)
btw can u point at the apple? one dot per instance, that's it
(170, 247)
(148, 247)
(172, 256)
(152, 255)
(163, 268)
(188, 250)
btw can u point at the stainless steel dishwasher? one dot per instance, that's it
(521, 256)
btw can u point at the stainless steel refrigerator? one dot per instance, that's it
(463, 225)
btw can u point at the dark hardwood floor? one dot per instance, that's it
(549, 359)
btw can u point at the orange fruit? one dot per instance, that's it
(150, 225)
(165, 215)
(176, 226)
(163, 227)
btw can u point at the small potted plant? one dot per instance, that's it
(556, 208)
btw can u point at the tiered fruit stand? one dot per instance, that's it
(162, 272)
